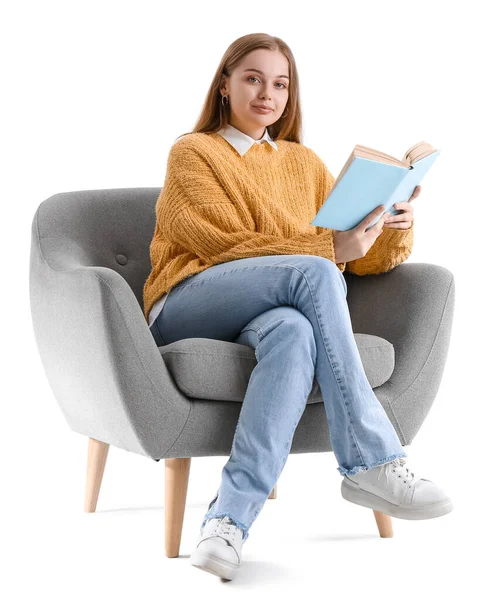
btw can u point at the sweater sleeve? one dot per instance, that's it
(200, 216)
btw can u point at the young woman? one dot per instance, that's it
(234, 258)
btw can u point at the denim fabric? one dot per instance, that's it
(292, 309)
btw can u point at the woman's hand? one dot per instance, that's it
(354, 243)
(405, 219)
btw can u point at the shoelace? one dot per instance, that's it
(226, 528)
(399, 464)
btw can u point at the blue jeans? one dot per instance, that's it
(292, 309)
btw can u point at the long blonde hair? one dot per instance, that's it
(214, 115)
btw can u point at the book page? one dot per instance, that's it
(418, 152)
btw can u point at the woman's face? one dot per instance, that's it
(246, 88)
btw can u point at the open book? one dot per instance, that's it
(370, 178)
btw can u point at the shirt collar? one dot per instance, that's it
(241, 141)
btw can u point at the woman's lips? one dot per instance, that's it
(262, 110)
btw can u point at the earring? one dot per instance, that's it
(227, 100)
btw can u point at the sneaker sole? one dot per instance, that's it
(213, 564)
(352, 493)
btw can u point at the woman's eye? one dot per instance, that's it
(257, 80)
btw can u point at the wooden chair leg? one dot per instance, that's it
(176, 482)
(273, 494)
(96, 459)
(384, 524)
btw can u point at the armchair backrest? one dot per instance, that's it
(110, 228)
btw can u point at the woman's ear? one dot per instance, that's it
(222, 86)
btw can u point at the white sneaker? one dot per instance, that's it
(395, 490)
(219, 548)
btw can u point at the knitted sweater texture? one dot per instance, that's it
(217, 206)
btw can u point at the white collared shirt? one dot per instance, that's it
(241, 142)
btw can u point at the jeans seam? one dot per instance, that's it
(250, 328)
(199, 283)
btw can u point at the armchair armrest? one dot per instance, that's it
(412, 307)
(99, 356)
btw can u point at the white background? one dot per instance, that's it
(95, 94)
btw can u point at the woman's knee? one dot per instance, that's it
(319, 263)
(320, 266)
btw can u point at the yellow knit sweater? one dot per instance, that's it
(217, 206)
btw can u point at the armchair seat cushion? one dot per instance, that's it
(210, 369)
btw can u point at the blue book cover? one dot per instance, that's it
(366, 183)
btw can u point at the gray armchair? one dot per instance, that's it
(88, 264)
